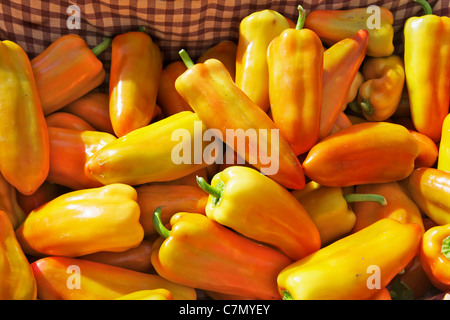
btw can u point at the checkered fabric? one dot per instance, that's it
(173, 24)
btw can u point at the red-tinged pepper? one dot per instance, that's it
(67, 70)
(340, 66)
(295, 68)
(24, 146)
(223, 106)
(435, 256)
(61, 278)
(67, 120)
(428, 150)
(136, 65)
(201, 253)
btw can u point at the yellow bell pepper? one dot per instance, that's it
(355, 267)
(150, 294)
(17, 280)
(443, 159)
(329, 208)
(82, 222)
(254, 205)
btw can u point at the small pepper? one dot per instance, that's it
(145, 155)
(136, 65)
(382, 90)
(435, 256)
(223, 106)
(399, 206)
(430, 189)
(256, 31)
(17, 280)
(355, 267)
(371, 152)
(83, 222)
(427, 68)
(330, 210)
(254, 205)
(333, 26)
(295, 68)
(62, 278)
(67, 70)
(201, 253)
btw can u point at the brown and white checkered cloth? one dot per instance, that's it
(194, 25)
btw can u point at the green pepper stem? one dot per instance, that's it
(205, 186)
(445, 250)
(367, 108)
(354, 106)
(286, 295)
(425, 6)
(359, 197)
(186, 59)
(142, 29)
(157, 223)
(102, 46)
(301, 18)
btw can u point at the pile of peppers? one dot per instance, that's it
(93, 207)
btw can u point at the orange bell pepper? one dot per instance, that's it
(137, 258)
(435, 256)
(174, 199)
(382, 90)
(17, 280)
(333, 26)
(136, 65)
(147, 154)
(69, 151)
(399, 206)
(67, 70)
(256, 31)
(295, 68)
(201, 253)
(340, 66)
(67, 120)
(222, 105)
(430, 189)
(427, 69)
(83, 222)
(62, 278)
(9, 203)
(225, 52)
(24, 146)
(371, 152)
(93, 107)
(168, 98)
(152, 294)
(279, 221)
(428, 150)
(355, 267)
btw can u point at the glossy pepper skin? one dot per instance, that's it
(145, 155)
(67, 70)
(67, 120)
(256, 31)
(342, 270)
(9, 203)
(69, 151)
(427, 68)
(136, 65)
(340, 66)
(225, 52)
(295, 68)
(58, 277)
(254, 205)
(382, 90)
(174, 199)
(372, 152)
(399, 206)
(443, 159)
(93, 107)
(435, 256)
(222, 105)
(429, 188)
(24, 146)
(201, 253)
(17, 280)
(333, 26)
(429, 152)
(330, 208)
(83, 222)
